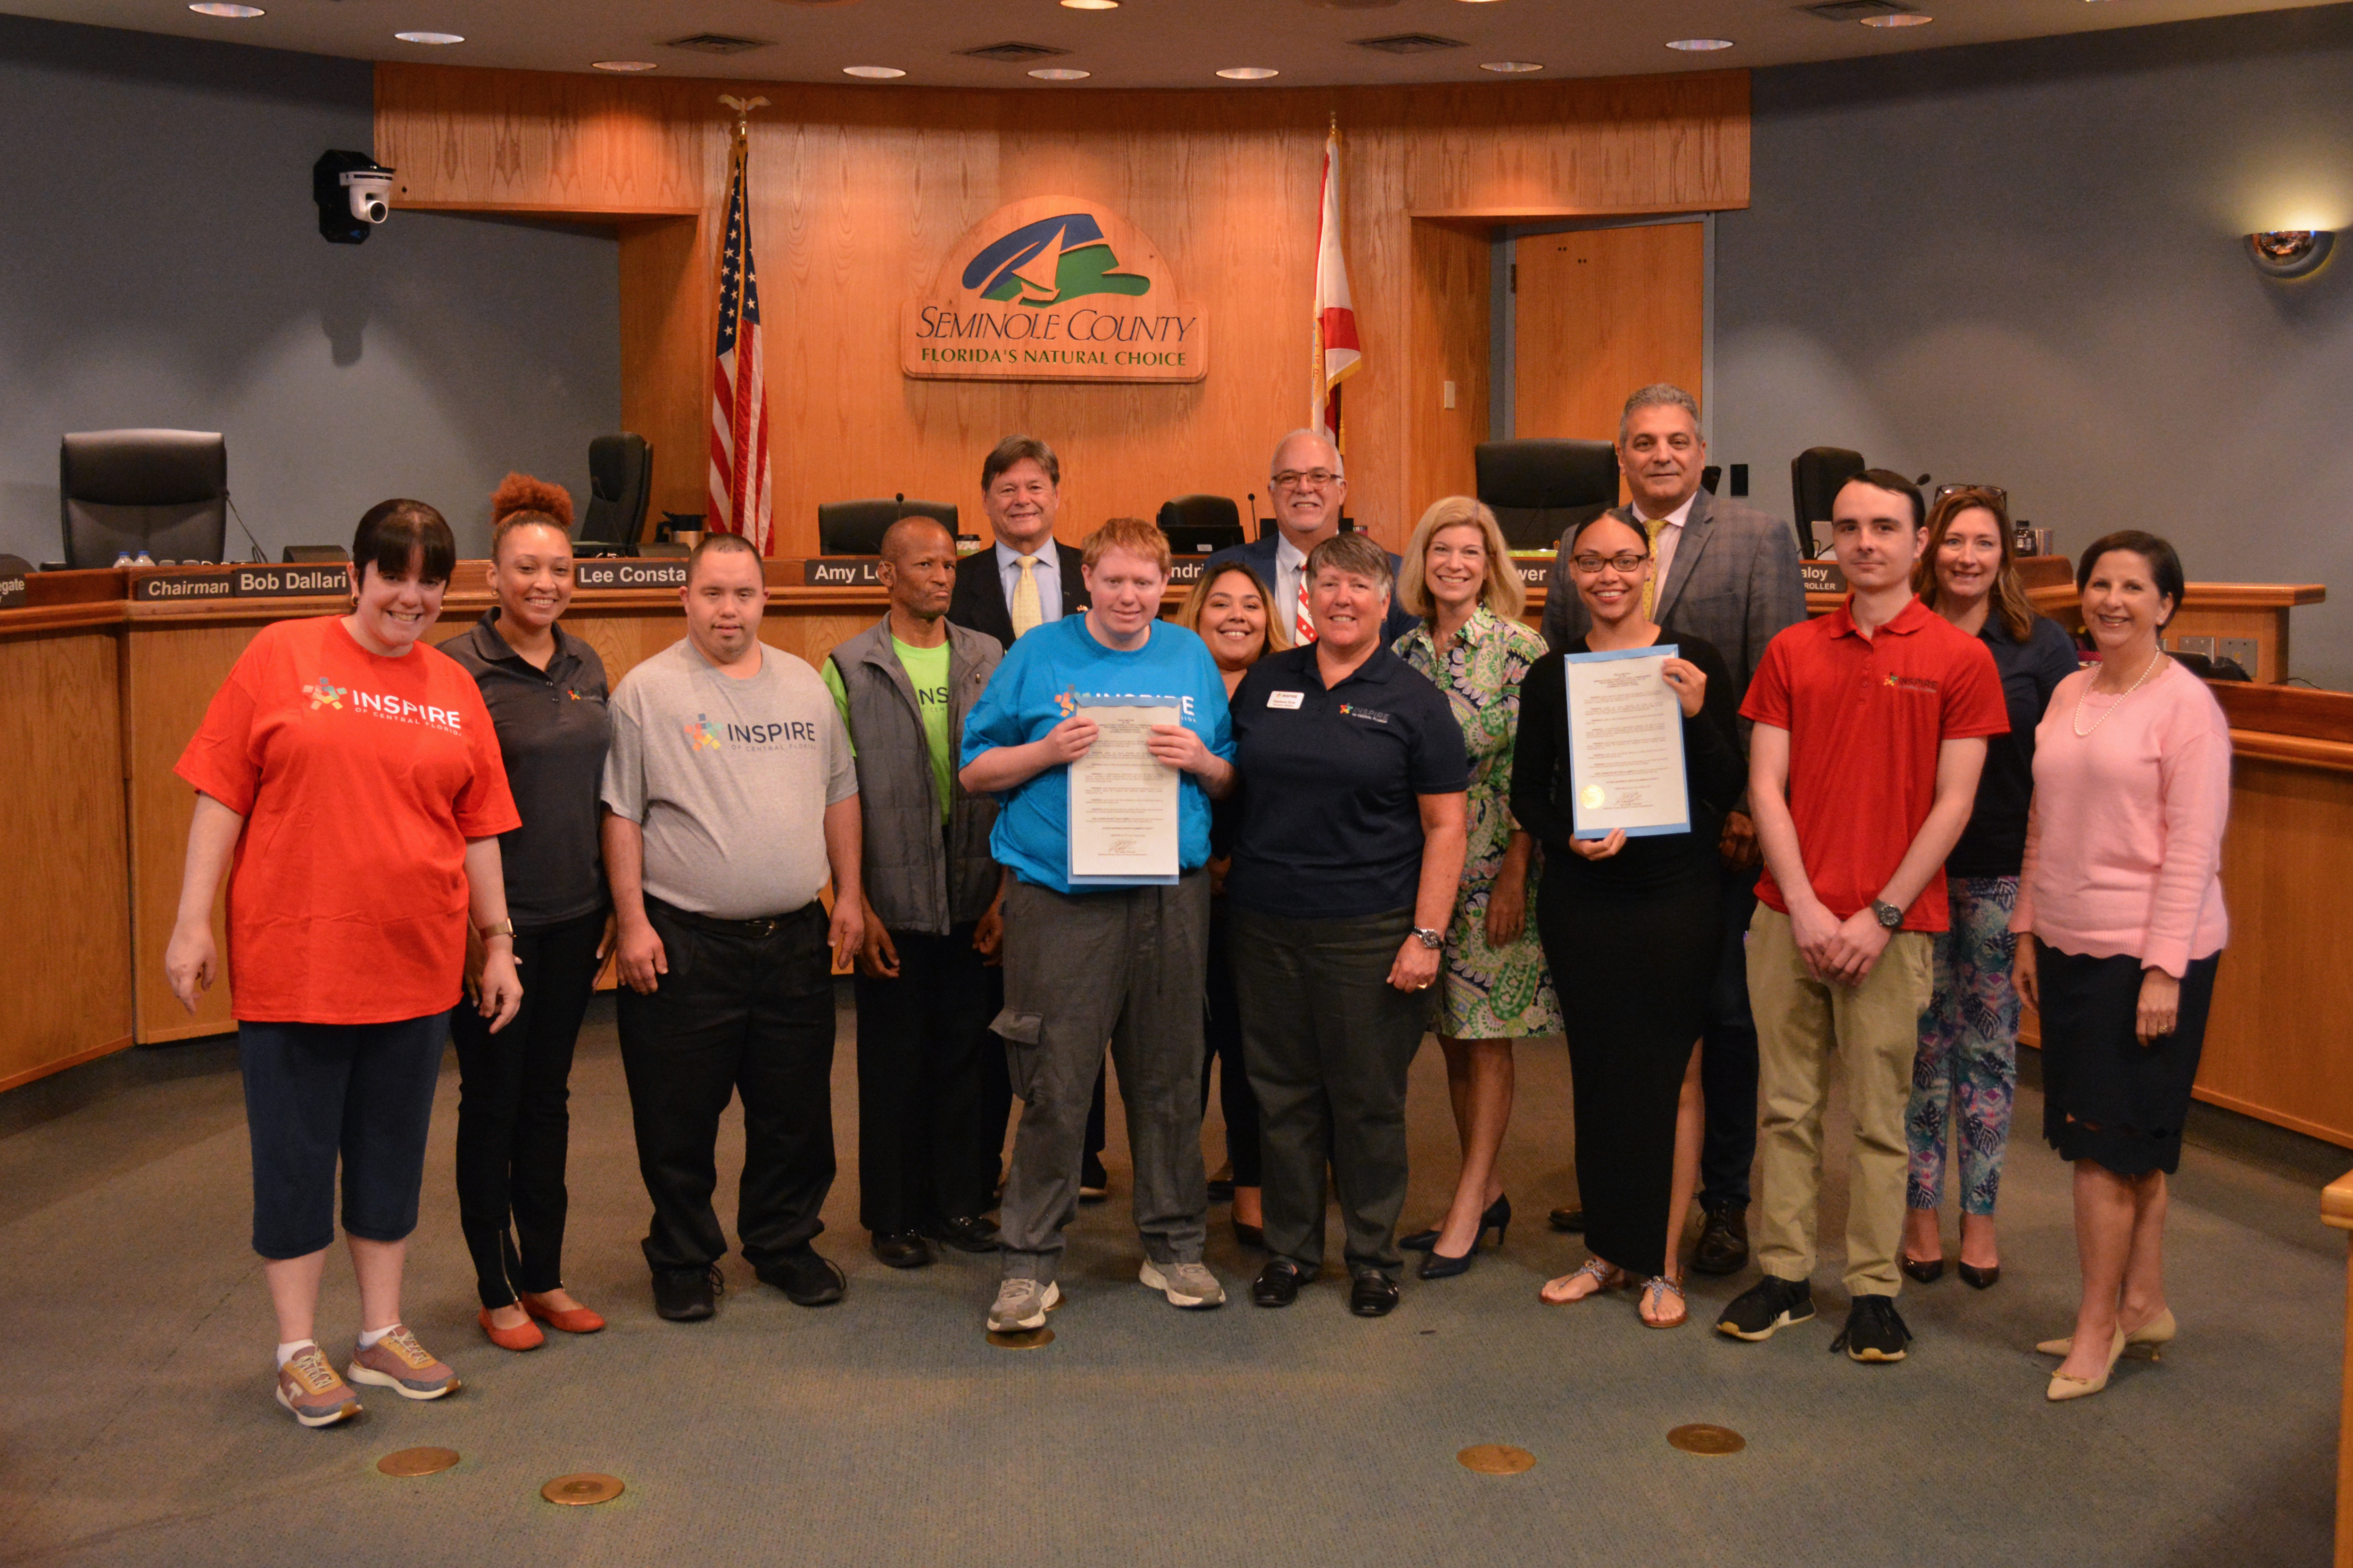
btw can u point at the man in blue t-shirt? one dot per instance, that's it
(1090, 959)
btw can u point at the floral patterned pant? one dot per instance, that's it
(1965, 1072)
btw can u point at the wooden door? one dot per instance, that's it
(1599, 313)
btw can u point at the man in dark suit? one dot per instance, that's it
(1728, 573)
(1307, 488)
(1026, 577)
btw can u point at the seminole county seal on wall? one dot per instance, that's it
(1054, 289)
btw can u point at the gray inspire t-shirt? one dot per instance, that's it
(729, 780)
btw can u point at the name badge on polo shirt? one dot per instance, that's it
(1285, 698)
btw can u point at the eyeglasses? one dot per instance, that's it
(1626, 562)
(2000, 496)
(1311, 479)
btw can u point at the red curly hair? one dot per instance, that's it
(520, 500)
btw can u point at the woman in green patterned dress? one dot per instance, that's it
(1492, 985)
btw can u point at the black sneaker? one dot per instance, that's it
(807, 1278)
(1874, 1331)
(687, 1295)
(1765, 1308)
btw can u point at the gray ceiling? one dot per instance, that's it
(1144, 43)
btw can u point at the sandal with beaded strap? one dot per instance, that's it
(1656, 1290)
(1604, 1276)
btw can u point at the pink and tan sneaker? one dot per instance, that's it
(308, 1387)
(398, 1363)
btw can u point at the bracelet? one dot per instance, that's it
(500, 928)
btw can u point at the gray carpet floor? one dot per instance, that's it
(138, 1428)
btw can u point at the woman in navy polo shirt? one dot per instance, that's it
(1344, 869)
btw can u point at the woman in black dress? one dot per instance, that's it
(1630, 927)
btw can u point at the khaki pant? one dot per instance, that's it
(1871, 1030)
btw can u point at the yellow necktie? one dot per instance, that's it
(1652, 526)
(1026, 611)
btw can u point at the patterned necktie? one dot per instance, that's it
(1026, 611)
(1653, 526)
(1303, 632)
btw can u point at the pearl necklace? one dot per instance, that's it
(2146, 671)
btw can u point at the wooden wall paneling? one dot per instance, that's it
(857, 193)
(171, 672)
(67, 925)
(1450, 343)
(1599, 313)
(2273, 1047)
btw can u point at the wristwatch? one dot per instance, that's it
(504, 928)
(1429, 939)
(1886, 914)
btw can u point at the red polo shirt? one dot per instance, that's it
(1865, 716)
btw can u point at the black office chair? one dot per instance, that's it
(1816, 477)
(1200, 524)
(1540, 488)
(857, 527)
(163, 491)
(620, 484)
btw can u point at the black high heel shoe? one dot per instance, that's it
(1438, 1265)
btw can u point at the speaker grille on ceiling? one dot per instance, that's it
(718, 43)
(1409, 43)
(1013, 54)
(1854, 10)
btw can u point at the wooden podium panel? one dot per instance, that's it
(64, 924)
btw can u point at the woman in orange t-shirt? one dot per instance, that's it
(349, 781)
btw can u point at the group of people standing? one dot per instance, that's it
(1377, 838)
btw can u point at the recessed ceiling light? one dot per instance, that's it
(1249, 73)
(874, 73)
(431, 37)
(1511, 66)
(1092, 5)
(1699, 46)
(217, 8)
(625, 64)
(1898, 20)
(1059, 73)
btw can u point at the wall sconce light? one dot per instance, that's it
(2290, 252)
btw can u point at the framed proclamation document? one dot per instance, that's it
(1123, 801)
(1626, 743)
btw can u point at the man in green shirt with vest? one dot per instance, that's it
(931, 1086)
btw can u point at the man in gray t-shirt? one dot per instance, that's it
(730, 794)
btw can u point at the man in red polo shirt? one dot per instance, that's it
(1870, 725)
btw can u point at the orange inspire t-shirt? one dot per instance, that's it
(360, 779)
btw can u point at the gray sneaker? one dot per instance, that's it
(1023, 1304)
(1185, 1284)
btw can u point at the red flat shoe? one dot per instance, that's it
(523, 1336)
(572, 1320)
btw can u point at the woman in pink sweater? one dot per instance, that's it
(2132, 787)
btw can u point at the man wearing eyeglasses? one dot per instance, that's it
(1308, 485)
(1728, 573)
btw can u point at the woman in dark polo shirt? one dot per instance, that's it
(1344, 869)
(545, 692)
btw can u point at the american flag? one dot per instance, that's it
(740, 500)
(1336, 353)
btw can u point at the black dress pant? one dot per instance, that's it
(1639, 967)
(514, 1122)
(1221, 1022)
(929, 1073)
(1727, 1055)
(746, 1007)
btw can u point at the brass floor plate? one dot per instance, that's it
(1701, 1438)
(417, 1461)
(1025, 1340)
(1496, 1460)
(579, 1491)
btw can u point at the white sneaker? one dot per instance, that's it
(1188, 1285)
(1023, 1304)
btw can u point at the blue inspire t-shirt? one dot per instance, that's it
(1059, 667)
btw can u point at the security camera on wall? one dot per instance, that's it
(354, 193)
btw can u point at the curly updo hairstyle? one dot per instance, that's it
(520, 500)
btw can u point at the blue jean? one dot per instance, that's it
(315, 1091)
(1965, 1074)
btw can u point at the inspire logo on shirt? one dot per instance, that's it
(1072, 700)
(702, 735)
(325, 693)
